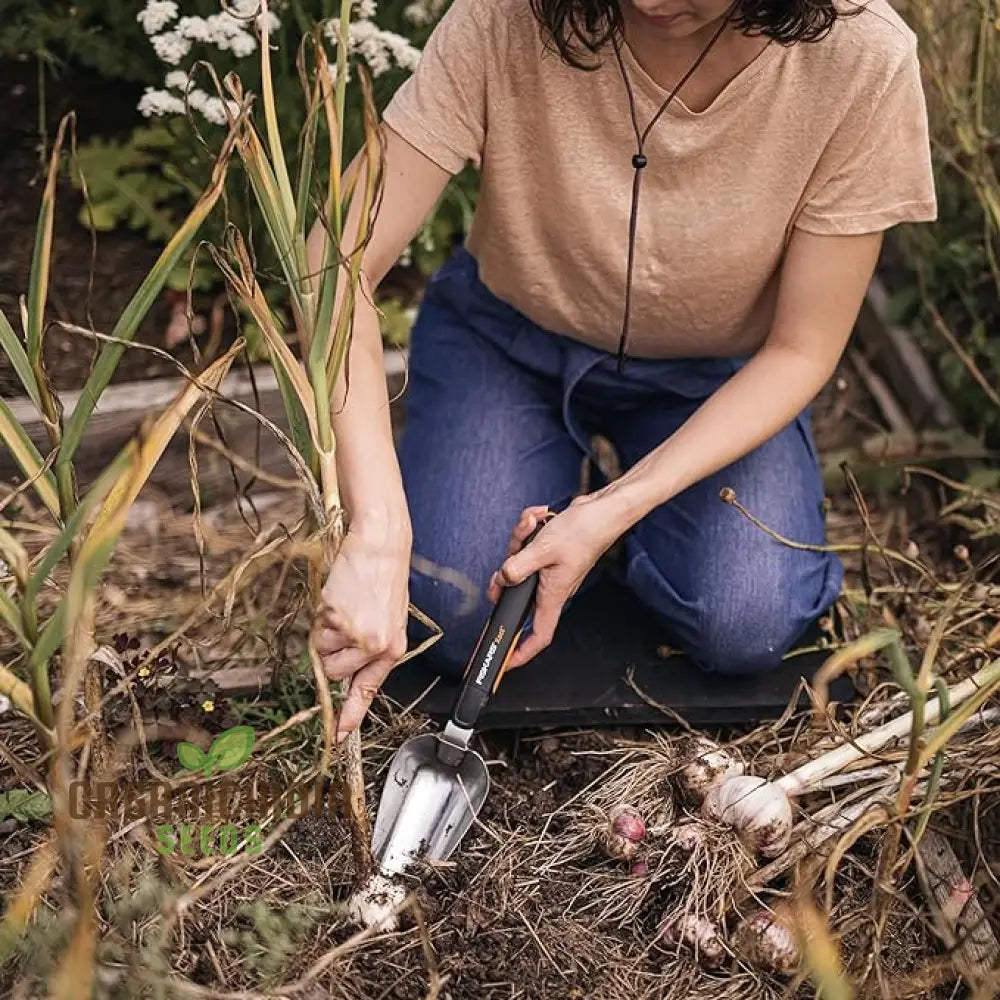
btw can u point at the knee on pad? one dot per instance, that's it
(745, 637)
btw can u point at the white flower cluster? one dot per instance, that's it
(380, 49)
(154, 103)
(228, 31)
(422, 12)
(173, 36)
(163, 102)
(156, 15)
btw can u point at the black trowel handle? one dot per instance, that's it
(495, 646)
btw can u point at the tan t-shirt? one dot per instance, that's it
(829, 136)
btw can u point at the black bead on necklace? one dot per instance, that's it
(639, 163)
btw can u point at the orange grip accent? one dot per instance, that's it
(506, 660)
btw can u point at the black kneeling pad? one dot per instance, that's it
(604, 640)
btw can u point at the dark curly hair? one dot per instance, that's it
(578, 28)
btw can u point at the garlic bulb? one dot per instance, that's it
(689, 836)
(376, 903)
(758, 810)
(711, 765)
(624, 831)
(615, 846)
(698, 934)
(627, 822)
(768, 944)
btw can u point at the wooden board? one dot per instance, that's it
(124, 407)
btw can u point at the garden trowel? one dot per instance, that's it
(436, 784)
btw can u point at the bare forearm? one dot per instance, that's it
(823, 282)
(741, 415)
(370, 482)
(367, 467)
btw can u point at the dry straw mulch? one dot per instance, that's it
(530, 907)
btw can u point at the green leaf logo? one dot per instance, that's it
(230, 749)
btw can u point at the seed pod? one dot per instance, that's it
(765, 942)
(710, 766)
(698, 934)
(757, 810)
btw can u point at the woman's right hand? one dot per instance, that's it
(360, 627)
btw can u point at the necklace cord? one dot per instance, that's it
(639, 161)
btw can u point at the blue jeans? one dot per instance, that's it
(499, 417)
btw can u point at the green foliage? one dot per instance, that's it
(395, 321)
(140, 184)
(953, 278)
(25, 805)
(261, 937)
(270, 935)
(91, 33)
(954, 264)
(133, 183)
(132, 954)
(148, 179)
(293, 688)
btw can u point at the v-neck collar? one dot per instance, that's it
(736, 85)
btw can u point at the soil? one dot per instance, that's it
(472, 944)
(78, 293)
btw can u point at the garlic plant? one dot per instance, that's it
(760, 811)
(321, 299)
(82, 530)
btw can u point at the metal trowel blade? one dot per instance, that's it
(427, 804)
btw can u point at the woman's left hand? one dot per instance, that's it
(563, 553)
